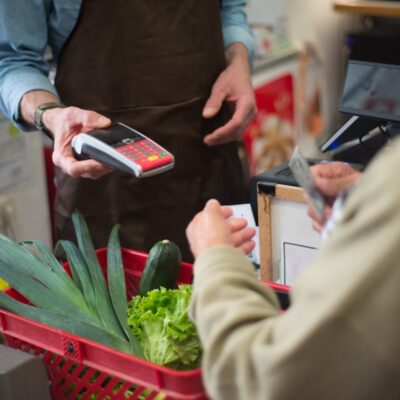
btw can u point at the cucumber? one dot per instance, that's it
(162, 267)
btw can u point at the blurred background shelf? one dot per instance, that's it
(367, 7)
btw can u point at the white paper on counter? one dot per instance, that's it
(245, 211)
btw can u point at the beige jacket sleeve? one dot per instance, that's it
(340, 339)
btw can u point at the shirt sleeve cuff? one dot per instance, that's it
(234, 34)
(26, 82)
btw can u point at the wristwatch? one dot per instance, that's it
(38, 115)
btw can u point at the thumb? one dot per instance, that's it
(213, 206)
(95, 120)
(102, 121)
(213, 104)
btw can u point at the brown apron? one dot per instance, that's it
(150, 64)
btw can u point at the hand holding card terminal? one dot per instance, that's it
(124, 148)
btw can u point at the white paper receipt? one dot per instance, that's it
(245, 211)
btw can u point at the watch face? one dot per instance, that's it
(38, 118)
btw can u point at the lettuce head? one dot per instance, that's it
(161, 323)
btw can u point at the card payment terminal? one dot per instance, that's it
(122, 147)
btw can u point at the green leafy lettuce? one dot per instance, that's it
(161, 323)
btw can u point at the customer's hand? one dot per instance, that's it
(211, 227)
(234, 87)
(65, 123)
(331, 179)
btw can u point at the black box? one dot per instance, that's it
(280, 174)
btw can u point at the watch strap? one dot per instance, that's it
(38, 115)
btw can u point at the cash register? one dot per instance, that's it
(371, 99)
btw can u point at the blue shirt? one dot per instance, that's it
(24, 39)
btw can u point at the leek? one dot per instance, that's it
(37, 282)
(79, 270)
(68, 324)
(103, 301)
(117, 287)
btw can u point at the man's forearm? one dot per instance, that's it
(31, 100)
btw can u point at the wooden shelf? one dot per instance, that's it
(366, 7)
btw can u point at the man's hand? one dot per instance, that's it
(233, 86)
(65, 123)
(331, 179)
(211, 227)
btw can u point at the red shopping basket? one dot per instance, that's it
(80, 369)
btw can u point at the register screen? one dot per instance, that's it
(372, 90)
